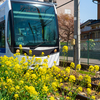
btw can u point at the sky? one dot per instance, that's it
(88, 10)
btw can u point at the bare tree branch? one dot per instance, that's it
(66, 27)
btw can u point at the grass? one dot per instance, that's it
(88, 73)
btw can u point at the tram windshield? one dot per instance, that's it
(34, 24)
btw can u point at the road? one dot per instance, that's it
(84, 60)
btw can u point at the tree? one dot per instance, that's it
(66, 27)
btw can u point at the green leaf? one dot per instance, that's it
(0, 95)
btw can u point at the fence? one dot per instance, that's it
(89, 51)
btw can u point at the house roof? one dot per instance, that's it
(87, 22)
(94, 22)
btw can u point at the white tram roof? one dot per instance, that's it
(30, 1)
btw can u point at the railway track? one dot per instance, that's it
(80, 96)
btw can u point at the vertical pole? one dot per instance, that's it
(67, 53)
(77, 31)
(88, 52)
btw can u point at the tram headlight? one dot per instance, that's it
(17, 51)
(55, 50)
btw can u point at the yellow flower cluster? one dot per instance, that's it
(87, 79)
(93, 68)
(79, 89)
(72, 65)
(20, 46)
(78, 67)
(42, 53)
(72, 78)
(80, 77)
(88, 91)
(30, 52)
(65, 49)
(96, 68)
(17, 79)
(67, 70)
(45, 89)
(93, 97)
(38, 60)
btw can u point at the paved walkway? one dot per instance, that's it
(84, 60)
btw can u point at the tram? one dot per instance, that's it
(32, 24)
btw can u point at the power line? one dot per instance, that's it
(64, 4)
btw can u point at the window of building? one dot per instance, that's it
(98, 34)
(67, 11)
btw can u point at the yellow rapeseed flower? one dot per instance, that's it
(79, 89)
(14, 55)
(93, 97)
(88, 91)
(17, 87)
(30, 52)
(65, 49)
(87, 79)
(45, 61)
(54, 62)
(42, 53)
(72, 78)
(89, 85)
(33, 76)
(32, 90)
(12, 89)
(16, 96)
(25, 54)
(67, 98)
(54, 86)
(21, 82)
(96, 68)
(67, 70)
(72, 65)
(80, 77)
(45, 89)
(52, 98)
(48, 56)
(70, 94)
(66, 88)
(9, 81)
(99, 84)
(78, 67)
(91, 68)
(20, 46)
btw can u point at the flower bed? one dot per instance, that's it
(18, 82)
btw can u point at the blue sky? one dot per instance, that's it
(88, 10)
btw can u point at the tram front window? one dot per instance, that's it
(33, 24)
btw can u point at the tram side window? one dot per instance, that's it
(8, 33)
(2, 34)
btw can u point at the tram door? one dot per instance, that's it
(2, 37)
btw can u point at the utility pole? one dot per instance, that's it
(77, 31)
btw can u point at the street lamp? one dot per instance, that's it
(96, 1)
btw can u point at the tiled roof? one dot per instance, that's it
(87, 22)
(94, 22)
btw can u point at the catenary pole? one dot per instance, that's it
(77, 31)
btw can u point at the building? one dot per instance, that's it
(91, 28)
(66, 9)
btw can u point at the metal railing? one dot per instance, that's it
(89, 51)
